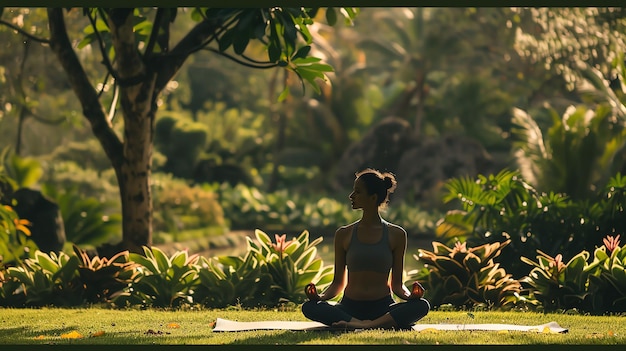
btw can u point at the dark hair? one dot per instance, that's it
(376, 182)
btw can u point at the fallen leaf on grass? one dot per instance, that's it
(212, 325)
(155, 332)
(97, 334)
(40, 337)
(173, 325)
(72, 335)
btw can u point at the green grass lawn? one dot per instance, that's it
(101, 326)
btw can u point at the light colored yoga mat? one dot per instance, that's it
(224, 325)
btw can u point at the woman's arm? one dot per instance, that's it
(399, 243)
(339, 278)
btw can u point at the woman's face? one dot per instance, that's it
(359, 197)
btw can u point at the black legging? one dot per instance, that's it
(405, 314)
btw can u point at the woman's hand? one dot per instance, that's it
(417, 291)
(311, 292)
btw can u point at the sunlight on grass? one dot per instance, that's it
(105, 326)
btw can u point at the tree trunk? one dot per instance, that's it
(137, 92)
(140, 80)
(134, 181)
(131, 160)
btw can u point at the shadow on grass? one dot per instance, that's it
(287, 337)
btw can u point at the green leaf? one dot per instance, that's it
(86, 41)
(331, 16)
(226, 40)
(161, 259)
(197, 14)
(304, 61)
(274, 51)
(284, 94)
(302, 52)
(46, 262)
(179, 259)
(240, 42)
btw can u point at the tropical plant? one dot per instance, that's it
(233, 281)
(559, 285)
(291, 264)
(11, 291)
(496, 208)
(103, 278)
(49, 279)
(607, 284)
(24, 172)
(504, 206)
(15, 242)
(577, 154)
(160, 281)
(466, 277)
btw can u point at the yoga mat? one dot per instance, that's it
(224, 325)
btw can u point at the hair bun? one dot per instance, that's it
(390, 182)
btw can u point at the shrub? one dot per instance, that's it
(503, 206)
(607, 284)
(180, 207)
(160, 281)
(103, 278)
(466, 277)
(597, 287)
(48, 279)
(291, 264)
(559, 285)
(233, 280)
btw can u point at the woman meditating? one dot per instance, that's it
(366, 251)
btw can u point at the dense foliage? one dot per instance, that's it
(541, 89)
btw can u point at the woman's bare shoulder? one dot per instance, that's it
(396, 230)
(345, 229)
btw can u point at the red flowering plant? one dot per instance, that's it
(608, 283)
(292, 264)
(556, 284)
(466, 277)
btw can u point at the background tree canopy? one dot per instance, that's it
(256, 112)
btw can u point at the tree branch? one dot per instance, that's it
(244, 63)
(86, 94)
(197, 38)
(25, 33)
(105, 57)
(131, 69)
(155, 32)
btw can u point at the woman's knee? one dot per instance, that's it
(308, 307)
(421, 307)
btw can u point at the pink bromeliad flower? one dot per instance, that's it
(558, 263)
(280, 243)
(611, 243)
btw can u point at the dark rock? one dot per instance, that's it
(47, 229)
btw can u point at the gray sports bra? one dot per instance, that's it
(375, 257)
